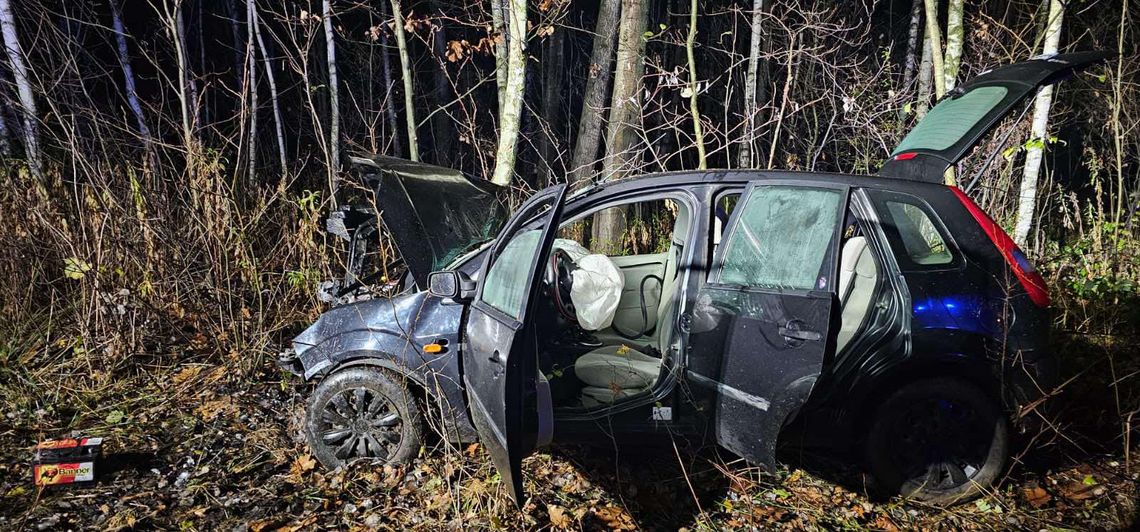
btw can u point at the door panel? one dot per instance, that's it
(759, 333)
(510, 403)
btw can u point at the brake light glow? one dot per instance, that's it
(1032, 281)
(906, 156)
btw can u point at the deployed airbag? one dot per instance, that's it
(597, 286)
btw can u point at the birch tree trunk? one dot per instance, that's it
(499, 26)
(251, 60)
(184, 64)
(935, 36)
(23, 89)
(594, 98)
(955, 36)
(925, 79)
(750, 110)
(406, 68)
(625, 117)
(128, 72)
(912, 43)
(174, 20)
(694, 89)
(1027, 197)
(272, 79)
(511, 111)
(334, 94)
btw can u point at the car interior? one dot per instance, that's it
(644, 241)
(597, 368)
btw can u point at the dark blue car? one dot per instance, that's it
(890, 307)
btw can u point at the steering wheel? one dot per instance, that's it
(558, 280)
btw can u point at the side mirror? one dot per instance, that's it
(453, 285)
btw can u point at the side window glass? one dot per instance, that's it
(782, 238)
(506, 285)
(920, 237)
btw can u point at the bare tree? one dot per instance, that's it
(251, 60)
(925, 78)
(594, 98)
(272, 79)
(745, 154)
(406, 68)
(912, 43)
(128, 72)
(511, 111)
(334, 93)
(23, 89)
(694, 89)
(1027, 196)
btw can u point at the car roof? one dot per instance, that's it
(741, 177)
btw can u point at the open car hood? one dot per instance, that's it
(434, 214)
(969, 111)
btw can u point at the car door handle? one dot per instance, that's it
(496, 358)
(795, 333)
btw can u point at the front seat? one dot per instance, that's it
(615, 371)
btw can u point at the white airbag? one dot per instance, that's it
(597, 286)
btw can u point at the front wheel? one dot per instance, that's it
(940, 441)
(362, 413)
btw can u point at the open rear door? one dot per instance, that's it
(509, 398)
(967, 113)
(759, 333)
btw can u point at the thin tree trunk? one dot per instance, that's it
(128, 72)
(511, 111)
(912, 43)
(935, 36)
(443, 134)
(789, 80)
(174, 19)
(272, 79)
(235, 34)
(23, 89)
(251, 59)
(625, 117)
(1027, 197)
(553, 70)
(694, 89)
(925, 79)
(389, 86)
(955, 35)
(184, 63)
(594, 98)
(750, 109)
(406, 68)
(334, 95)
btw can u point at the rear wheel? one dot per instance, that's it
(940, 441)
(362, 413)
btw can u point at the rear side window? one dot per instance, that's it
(781, 238)
(917, 237)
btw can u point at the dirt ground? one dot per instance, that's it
(200, 447)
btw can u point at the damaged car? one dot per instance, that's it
(890, 308)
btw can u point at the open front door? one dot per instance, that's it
(759, 333)
(967, 113)
(509, 399)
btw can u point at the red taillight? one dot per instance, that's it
(1032, 281)
(906, 156)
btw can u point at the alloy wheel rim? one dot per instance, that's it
(940, 445)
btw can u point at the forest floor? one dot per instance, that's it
(202, 447)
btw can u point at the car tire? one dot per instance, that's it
(939, 441)
(363, 413)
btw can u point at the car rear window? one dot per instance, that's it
(952, 118)
(920, 237)
(915, 234)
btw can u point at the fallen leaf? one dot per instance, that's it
(558, 517)
(1036, 496)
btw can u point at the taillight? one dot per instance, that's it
(1032, 281)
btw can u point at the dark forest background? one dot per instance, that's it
(166, 165)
